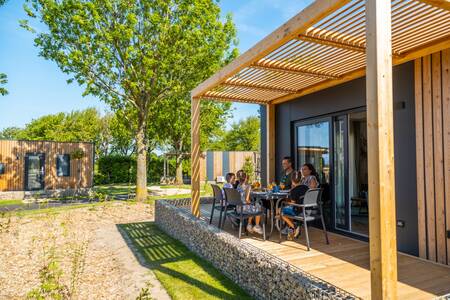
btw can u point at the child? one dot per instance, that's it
(244, 188)
(295, 196)
(230, 178)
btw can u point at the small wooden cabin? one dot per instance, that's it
(218, 163)
(45, 165)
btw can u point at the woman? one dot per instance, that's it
(309, 176)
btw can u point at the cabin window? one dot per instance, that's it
(63, 165)
(2, 168)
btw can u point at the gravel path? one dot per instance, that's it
(94, 259)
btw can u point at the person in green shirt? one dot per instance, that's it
(286, 175)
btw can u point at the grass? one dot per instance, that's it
(182, 273)
(52, 210)
(11, 202)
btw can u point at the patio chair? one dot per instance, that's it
(312, 202)
(218, 204)
(233, 197)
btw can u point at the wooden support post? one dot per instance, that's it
(380, 138)
(195, 157)
(270, 146)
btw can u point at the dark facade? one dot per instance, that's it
(351, 96)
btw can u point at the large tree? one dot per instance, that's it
(242, 136)
(79, 125)
(131, 53)
(175, 127)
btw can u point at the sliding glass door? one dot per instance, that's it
(341, 208)
(337, 148)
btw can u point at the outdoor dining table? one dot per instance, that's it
(272, 198)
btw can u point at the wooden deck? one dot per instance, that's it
(345, 264)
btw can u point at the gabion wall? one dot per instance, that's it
(262, 275)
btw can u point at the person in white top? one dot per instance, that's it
(230, 178)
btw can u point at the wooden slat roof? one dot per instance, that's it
(322, 46)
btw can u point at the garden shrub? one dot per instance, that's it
(113, 169)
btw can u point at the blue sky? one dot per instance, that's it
(37, 87)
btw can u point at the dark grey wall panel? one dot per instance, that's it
(263, 115)
(352, 95)
(405, 157)
(210, 165)
(225, 162)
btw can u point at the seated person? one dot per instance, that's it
(230, 178)
(238, 176)
(309, 176)
(295, 196)
(244, 188)
(229, 184)
(286, 175)
(301, 183)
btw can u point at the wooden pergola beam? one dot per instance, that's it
(270, 67)
(380, 154)
(444, 4)
(259, 87)
(195, 157)
(336, 43)
(288, 31)
(208, 96)
(331, 43)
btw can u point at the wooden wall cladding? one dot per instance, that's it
(235, 161)
(12, 155)
(432, 93)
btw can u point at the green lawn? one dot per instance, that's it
(11, 202)
(182, 273)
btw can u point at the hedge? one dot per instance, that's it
(122, 169)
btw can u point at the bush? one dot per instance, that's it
(248, 168)
(113, 169)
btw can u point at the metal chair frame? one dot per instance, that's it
(309, 202)
(233, 197)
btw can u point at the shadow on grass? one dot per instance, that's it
(183, 274)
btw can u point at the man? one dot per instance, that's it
(286, 175)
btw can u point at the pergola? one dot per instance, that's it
(328, 43)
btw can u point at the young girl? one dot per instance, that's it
(244, 188)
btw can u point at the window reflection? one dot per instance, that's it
(313, 146)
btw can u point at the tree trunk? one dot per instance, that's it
(141, 170)
(179, 171)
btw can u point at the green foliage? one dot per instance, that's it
(243, 136)
(122, 169)
(78, 125)
(51, 285)
(249, 168)
(115, 169)
(10, 133)
(77, 154)
(3, 80)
